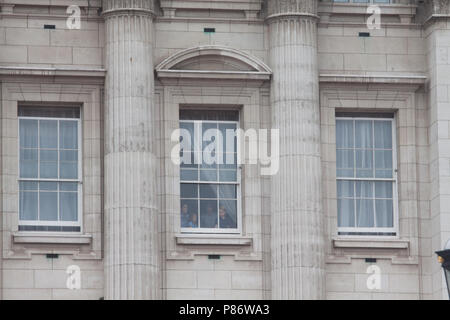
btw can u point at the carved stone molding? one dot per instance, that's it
(277, 7)
(113, 7)
(213, 62)
(441, 6)
(250, 8)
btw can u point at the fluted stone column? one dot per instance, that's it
(296, 221)
(131, 233)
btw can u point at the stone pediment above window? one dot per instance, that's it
(213, 62)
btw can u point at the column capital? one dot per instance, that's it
(276, 8)
(114, 7)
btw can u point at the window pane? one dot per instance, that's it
(383, 134)
(48, 206)
(224, 115)
(187, 160)
(187, 136)
(28, 133)
(28, 185)
(211, 140)
(227, 191)
(49, 112)
(208, 191)
(68, 206)
(189, 175)
(208, 214)
(229, 143)
(48, 155)
(228, 175)
(364, 189)
(229, 161)
(228, 214)
(346, 212)
(344, 134)
(48, 134)
(209, 166)
(28, 163)
(363, 134)
(28, 205)
(188, 190)
(208, 175)
(68, 186)
(68, 155)
(68, 170)
(48, 186)
(383, 163)
(345, 163)
(48, 169)
(383, 189)
(364, 164)
(364, 213)
(189, 213)
(68, 131)
(385, 216)
(345, 189)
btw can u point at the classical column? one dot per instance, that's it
(131, 233)
(437, 28)
(297, 233)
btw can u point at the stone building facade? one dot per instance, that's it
(89, 190)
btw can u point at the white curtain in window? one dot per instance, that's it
(364, 145)
(364, 204)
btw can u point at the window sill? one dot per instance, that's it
(36, 238)
(207, 239)
(371, 243)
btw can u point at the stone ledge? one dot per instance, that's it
(207, 239)
(405, 11)
(370, 243)
(37, 71)
(35, 238)
(250, 8)
(375, 78)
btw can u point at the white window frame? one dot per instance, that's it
(79, 222)
(371, 232)
(238, 183)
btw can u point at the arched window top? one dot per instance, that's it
(213, 62)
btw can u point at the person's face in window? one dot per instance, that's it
(210, 210)
(222, 212)
(194, 218)
(184, 209)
